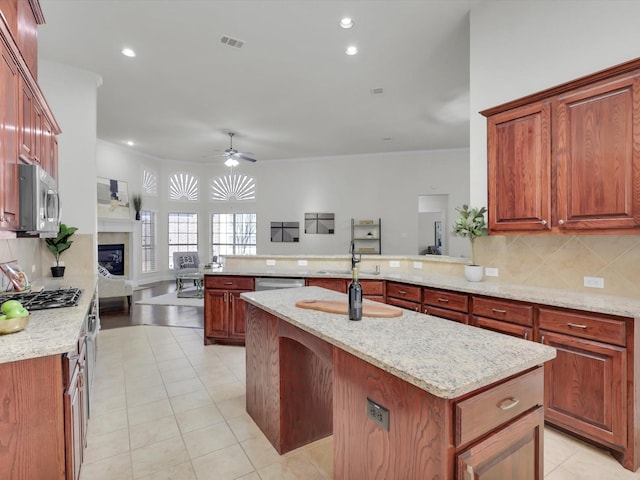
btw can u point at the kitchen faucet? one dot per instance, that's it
(354, 260)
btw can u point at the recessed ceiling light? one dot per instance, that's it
(351, 50)
(128, 52)
(130, 143)
(346, 22)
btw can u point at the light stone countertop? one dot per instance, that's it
(608, 304)
(444, 358)
(54, 331)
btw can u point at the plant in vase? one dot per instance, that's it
(137, 205)
(59, 244)
(471, 224)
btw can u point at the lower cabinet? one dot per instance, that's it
(335, 284)
(224, 310)
(503, 316)
(442, 303)
(75, 411)
(586, 384)
(404, 296)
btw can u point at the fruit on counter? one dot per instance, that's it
(13, 309)
(3, 317)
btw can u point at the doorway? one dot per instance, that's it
(432, 225)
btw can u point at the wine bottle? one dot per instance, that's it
(355, 297)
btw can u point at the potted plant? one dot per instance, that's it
(471, 224)
(59, 244)
(137, 204)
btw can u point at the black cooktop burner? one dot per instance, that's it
(64, 297)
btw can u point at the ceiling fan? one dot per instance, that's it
(233, 155)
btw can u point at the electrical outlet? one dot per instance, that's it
(594, 282)
(417, 265)
(33, 269)
(394, 263)
(271, 263)
(378, 414)
(302, 263)
(491, 272)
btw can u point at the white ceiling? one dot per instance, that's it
(289, 92)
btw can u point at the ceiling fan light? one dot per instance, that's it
(351, 50)
(128, 52)
(346, 22)
(231, 162)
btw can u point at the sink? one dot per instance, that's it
(334, 272)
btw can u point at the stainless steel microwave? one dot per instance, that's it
(39, 201)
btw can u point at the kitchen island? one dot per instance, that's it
(409, 397)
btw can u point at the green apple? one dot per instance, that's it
(3, 317)
(10, 305)
(17, 313)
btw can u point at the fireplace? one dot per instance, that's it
(111, 257)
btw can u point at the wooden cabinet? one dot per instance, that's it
(75, 410)
(568, 159)
(224, 310)
(586, 384)
(504, 316)
(372, 289)
(335, 284)
(404, 296)
(445, 304)
(9, 79)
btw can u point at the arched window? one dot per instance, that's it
(183, 186)
(149, 182)
(232, 187)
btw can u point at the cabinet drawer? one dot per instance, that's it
(372, 287)
(397, 302)
(444, 299)
(504, 310)
(228, 283)
(507, 328)
(595, 327)
(488, 410)
(444, 313)
(405, 292)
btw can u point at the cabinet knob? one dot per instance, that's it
(543, 222)
(508, 403)
(560, 222)
(443, 300)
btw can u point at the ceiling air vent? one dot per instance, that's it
(232, 42)
(377, 91)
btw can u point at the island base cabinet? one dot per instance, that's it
(224, 309)
(417, 444)
(515, 452)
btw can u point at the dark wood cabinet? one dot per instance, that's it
(75, 411)
(9, 118)
(404, 296)
(586, 384)
(568, 159)
(445, 304)
(224, 310)
(504, 316)
(335, 284)
(372, 289)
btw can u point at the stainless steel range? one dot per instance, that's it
(63, 297)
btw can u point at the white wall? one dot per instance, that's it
(363, 186)
(519, 48)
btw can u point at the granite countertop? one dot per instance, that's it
(590, 302)
(444, 358)
(54, 331)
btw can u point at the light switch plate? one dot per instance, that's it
(417, 265)
(302, 263)
(594, 282)
(271, 262)
(491, 272)
(394, 263)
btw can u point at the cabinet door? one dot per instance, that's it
(519, 169)
(507, 328)
(336, 284)
(9, 84)
(513, 452)
(397, 302)
(586, 387)
(216, 313)
(26, 121)
(598, 156)
(237, 315)
(73, 426)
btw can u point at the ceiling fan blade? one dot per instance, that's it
(243, 156)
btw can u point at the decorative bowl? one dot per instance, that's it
(13, 325)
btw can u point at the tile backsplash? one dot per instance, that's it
(562, 261)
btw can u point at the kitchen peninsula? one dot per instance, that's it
(409, 397)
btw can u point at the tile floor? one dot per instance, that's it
(167, 407)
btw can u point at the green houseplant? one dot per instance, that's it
(137, 204)
(59, 244)
(471, 224)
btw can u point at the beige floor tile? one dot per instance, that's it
(233, 407)
(226, 390)
(183, 471)
(175, 364)
(294, 467)
(321, 455)
(106, 445)
(208, 439)
(145, 395)
(225, 464)
(153, 431)
(198, 418)
(158, 457)
(149, 411)
(189, 401)
(117, 466)
(589, 463)
(104, 403)
(244, 427)
(178, 374)
(108, 421)
(251, 476)
(183, 386)
(260, 451)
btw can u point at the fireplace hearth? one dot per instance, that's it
(111, 257)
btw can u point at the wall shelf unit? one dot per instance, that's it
(366, 236)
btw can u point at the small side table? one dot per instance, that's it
(184, 279)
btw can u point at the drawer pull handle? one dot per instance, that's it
(576, 325)
(470, 472)
(498, 310)
(508, 403)
(443, 300)
(402, 292)
(228, 283)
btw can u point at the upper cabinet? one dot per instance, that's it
(22, 18)
(567, 159)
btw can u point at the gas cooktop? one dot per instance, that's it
(63, 297)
